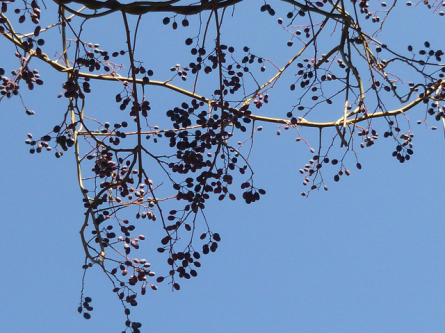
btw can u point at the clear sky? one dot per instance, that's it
(365, 256)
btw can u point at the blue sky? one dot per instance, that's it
(365, 256)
